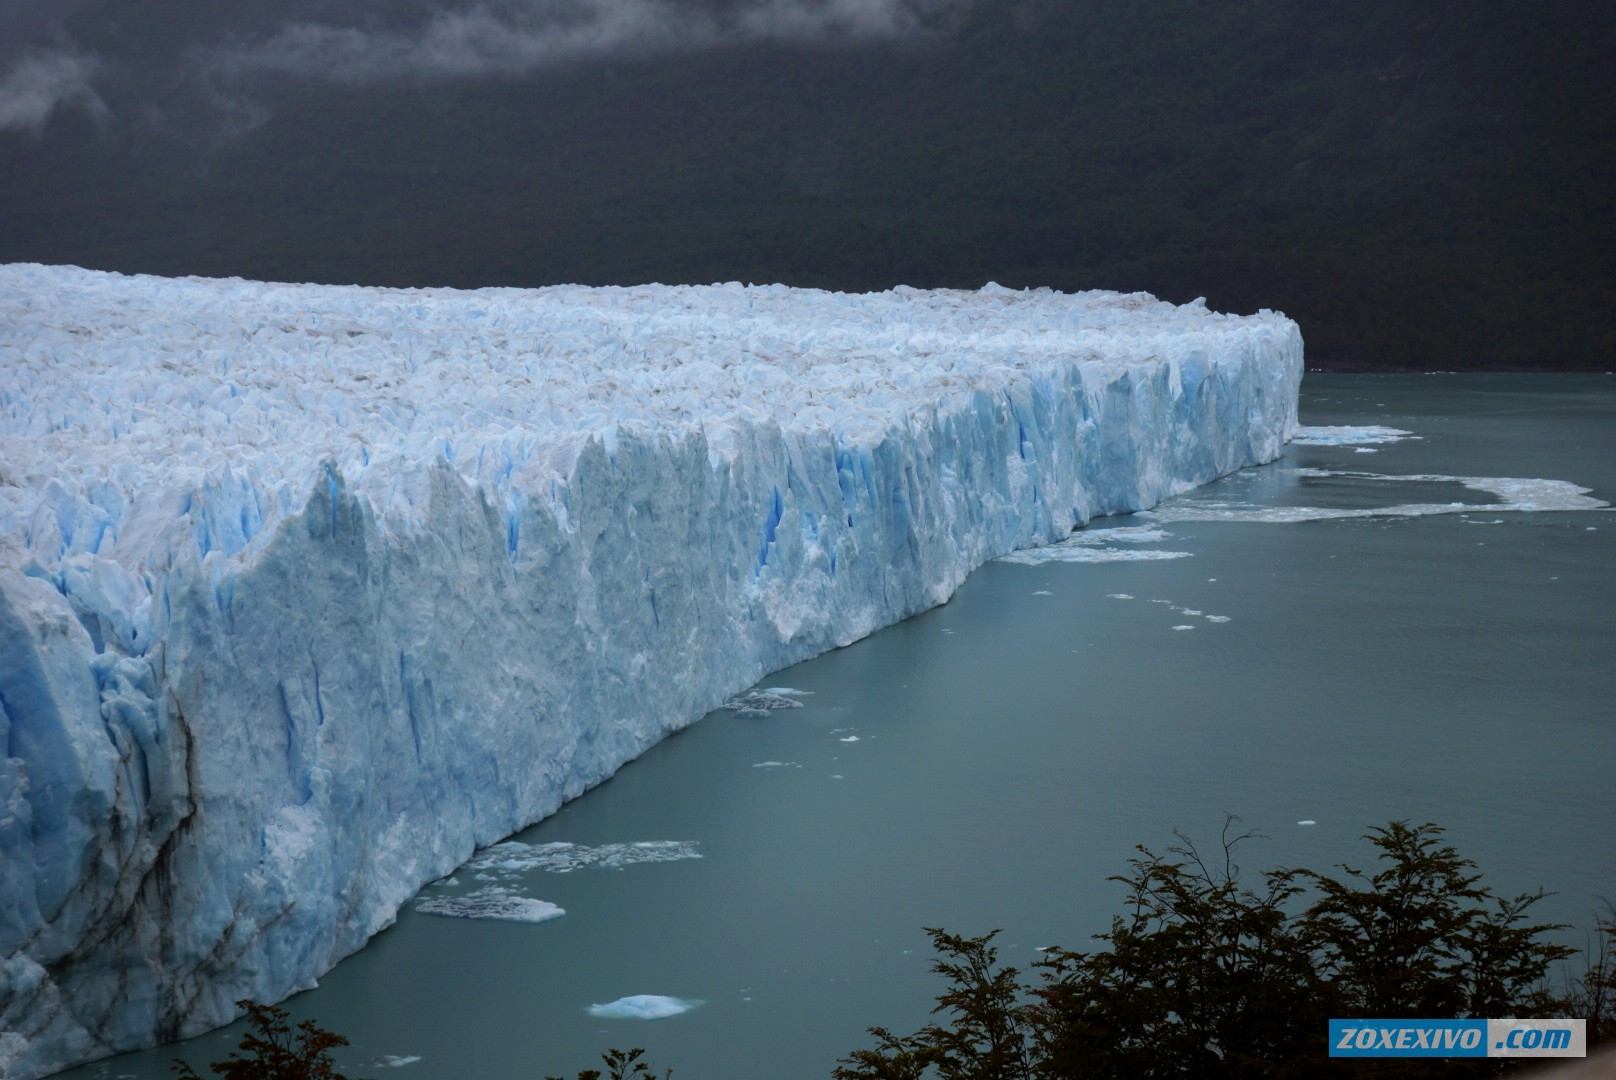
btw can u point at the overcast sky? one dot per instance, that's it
(47, 70)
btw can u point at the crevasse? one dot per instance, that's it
(307, 592)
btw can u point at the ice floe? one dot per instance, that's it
(761, 703)
(1099, 546)
(1348, 435)
(514, 857)
(643, 1007)
(1511, 493)
(491, 902)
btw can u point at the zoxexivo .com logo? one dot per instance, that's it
(1458, 1038)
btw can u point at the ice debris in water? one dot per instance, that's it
(759, 703)
(513, 857)
(1349, 436)
(643, 1007)
(491, 902)
(393, 1061)
(1511, 493)
(1098, 546)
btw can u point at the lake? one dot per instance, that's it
(989, 763)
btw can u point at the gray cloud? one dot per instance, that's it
(40, 82)
(523, 37)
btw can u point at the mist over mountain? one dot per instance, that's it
(1422, 184)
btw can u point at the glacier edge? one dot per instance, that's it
(229, 764)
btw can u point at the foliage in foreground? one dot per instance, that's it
(620, 1065)
(273, 1051)
(1203, 976)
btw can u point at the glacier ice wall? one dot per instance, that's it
(308, 592)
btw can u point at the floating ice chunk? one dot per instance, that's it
(1512, 493)
(643, 1007)
(1217, 618)
(787, 691)
(777, 765)
(1043, 592)
(1119, 596)
(393, 1061)
(1307, 821)
(1061, 553)
(1096, 547)
(1184, 626)
(1366, 450)
(513, 857)
(1188, 611)
(1349, 436)
(761, 701)
(1130, 534)
(491, 902)
(850, 738)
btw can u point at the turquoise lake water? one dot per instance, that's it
(989, 763)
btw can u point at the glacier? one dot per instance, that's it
(307, 593)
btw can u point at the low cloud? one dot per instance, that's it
(524, 37)
(41, 82)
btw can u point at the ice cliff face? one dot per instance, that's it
(307, 592)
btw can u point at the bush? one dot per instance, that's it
(620, 1065)
(275, 1053)
(1204, 976)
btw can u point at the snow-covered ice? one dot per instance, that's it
(308, 592)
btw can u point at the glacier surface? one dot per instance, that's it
(307, 593)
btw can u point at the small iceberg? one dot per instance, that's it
(759, 703)
(643, 1007)
(491, 903)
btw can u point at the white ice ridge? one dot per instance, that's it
(307, 592)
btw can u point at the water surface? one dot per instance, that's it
(991, 762)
